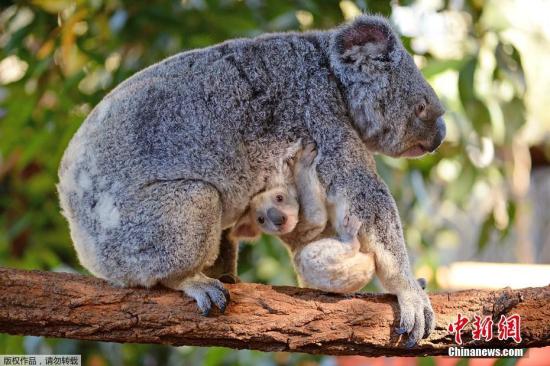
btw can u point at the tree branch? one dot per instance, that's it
(260, 317)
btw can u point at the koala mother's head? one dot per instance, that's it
(393, 108)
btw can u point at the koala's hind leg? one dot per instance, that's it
(225, 266)
(177, 235)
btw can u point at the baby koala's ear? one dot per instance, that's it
(246, 229)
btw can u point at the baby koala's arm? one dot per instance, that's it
(310, 192)
(311, 196)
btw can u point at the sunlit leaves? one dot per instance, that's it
(509, 65)
(475, 109)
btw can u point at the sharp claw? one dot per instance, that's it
(207, 292)
(205, 309)
(430, 322)
(227, 299)
(422, 282)
(411, 342)
(400, 330)
(226, 294)
(217, 296)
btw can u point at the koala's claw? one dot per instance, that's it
(410, 342)
(308, 154)
(206, 291)
(400, 330)
(417, 316)
(429, 316)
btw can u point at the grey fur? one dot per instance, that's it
(173, 155)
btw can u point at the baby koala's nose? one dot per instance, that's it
(276, 217)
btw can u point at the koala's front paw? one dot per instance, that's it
(417, 315)
(206, 291)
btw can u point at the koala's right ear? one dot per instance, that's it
(364, 38)
(245, 229)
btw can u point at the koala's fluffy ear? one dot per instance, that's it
(245, 229)
(365, 38)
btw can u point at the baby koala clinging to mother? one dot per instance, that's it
(295, 208)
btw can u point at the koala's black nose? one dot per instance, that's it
(440, 132)
(276, 217)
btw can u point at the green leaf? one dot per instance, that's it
(435, 67)
(475, 109)
(485, 231)
(378, 7)
(466, 82)
(215, 355)
(509, 65)
(514, 116)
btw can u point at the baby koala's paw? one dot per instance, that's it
(307, 155)
(351, 225)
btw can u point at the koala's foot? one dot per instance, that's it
(417, 315)
(205, 290)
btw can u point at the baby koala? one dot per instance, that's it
(294, 207)
(275, 210)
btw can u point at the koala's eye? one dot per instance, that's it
(279, 198)
(420, 107)
(261, 220)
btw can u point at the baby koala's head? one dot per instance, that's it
(274, 212)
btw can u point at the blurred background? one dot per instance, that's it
(476, 213)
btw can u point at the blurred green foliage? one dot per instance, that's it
(58, 58)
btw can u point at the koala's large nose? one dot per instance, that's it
(441, 130)
(276, 217)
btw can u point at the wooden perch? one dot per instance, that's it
(266, 318)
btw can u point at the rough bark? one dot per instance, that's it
(260, 317)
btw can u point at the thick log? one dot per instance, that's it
(266, 318)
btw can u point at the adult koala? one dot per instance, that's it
(173, 155)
